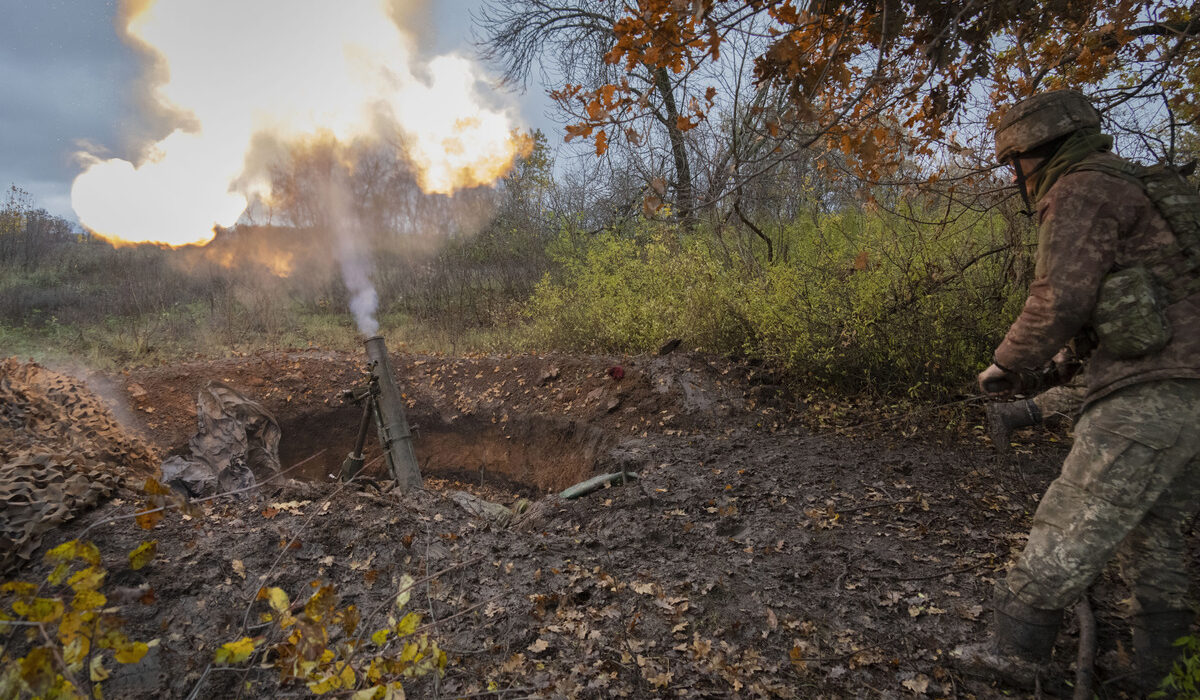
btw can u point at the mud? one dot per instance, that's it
(756, 557)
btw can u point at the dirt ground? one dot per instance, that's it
(757, 555)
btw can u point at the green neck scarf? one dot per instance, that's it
(1078, 146)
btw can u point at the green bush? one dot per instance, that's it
(856, 302)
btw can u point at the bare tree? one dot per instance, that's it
(567, 42)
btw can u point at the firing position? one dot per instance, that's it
(1118, 274)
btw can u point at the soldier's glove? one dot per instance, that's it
(1062, 369)
(1002, 383)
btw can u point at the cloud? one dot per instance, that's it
(64, 76)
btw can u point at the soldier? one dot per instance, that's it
(1110, 267)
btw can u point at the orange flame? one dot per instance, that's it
(287, 69)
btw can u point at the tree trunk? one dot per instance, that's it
(684, 201)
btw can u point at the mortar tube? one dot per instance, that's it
(394, 431)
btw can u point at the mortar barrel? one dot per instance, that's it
(394, 433)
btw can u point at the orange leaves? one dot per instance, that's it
(156, 500)
(575, 130)
(596, 111)
(884, 82)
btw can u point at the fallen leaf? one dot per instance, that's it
(918, 685)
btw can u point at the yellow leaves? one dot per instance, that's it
(75, 646)
(89, 579)
(391, 691)
(308, 653)
(75, 635)
(39, 609)
(334, 681)
(408, 624)
(320, 604)
(131, 652)
(21, 588)
(405, 591)
(68, 551)
(96, 670)
(276, 597)
(235, 652)
(143, 554)
(88, 600)
(59, 574)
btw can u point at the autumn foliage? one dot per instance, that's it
(888, 82)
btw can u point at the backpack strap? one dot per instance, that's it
(1177, 266)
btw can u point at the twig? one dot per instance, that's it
(213, 497)
(316, 511)
(366, 621)
(1085, 669)
(873, 506)
(929, 576)
(501, 691)
(460, 613)
(58, 656)
(169, 506)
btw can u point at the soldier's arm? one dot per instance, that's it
(1077, 243)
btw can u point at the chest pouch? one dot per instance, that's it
(1128, 318)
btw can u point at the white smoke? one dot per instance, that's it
(364, 302)
(353, 253)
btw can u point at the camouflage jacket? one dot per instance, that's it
(1091, 223)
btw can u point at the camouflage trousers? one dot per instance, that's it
(1130, 487)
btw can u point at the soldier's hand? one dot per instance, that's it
(998, 383)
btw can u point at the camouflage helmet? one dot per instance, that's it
(1041, 119)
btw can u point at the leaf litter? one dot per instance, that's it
(748, 561)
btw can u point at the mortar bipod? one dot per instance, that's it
(367, 396)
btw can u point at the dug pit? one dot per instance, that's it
(529, 455)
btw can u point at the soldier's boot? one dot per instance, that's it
(1005, 417)
(1018, 651)
(1154, 635)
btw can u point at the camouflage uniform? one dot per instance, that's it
(1064, 402)
(1138, 432)
(1131, 484)
(1090, 224)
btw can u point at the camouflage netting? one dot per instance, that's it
(61, 451)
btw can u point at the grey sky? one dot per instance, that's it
(66, 78)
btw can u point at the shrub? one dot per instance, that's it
(857, 302)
